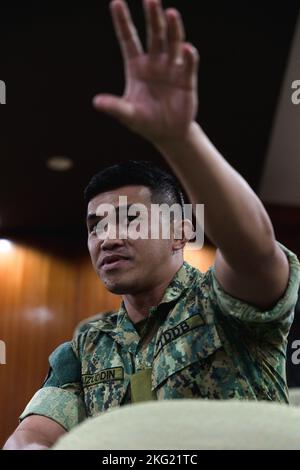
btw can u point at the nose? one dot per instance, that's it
(111, 239)
(111, 243)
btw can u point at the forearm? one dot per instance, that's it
(35, 433)
(235, 219)
(27, 440)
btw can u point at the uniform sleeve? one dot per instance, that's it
(60, 398)
(282, 312)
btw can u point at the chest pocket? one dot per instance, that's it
(199, 342)
(104, 389)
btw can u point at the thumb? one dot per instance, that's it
(117, 107)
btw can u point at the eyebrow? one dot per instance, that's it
(93, 215)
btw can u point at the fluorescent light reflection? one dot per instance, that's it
(5, 246)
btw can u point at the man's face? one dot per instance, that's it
(126, 266)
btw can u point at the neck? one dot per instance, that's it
(138, 305)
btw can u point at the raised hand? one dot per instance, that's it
(160, 97)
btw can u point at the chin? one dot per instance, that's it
(118, 287)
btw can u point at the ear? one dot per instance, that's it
(183, 230)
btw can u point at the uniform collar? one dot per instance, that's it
(124, 332)
(179, 284)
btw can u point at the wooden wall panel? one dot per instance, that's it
(37, 313)
(43, 296)
(201, 259)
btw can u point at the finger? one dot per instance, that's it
(114, 106)
(191, 59)
(176, 35)
(156, 27)
(125, 30)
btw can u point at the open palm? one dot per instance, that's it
(160, 97)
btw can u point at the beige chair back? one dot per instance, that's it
(189, 424)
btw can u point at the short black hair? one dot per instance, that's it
(164, 187)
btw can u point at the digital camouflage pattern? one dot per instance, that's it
(200, 343)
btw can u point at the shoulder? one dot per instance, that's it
(90, 328)
(199, 284)
(98, 321)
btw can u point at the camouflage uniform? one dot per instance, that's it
(204, 344)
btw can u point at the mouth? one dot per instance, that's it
(113, 262)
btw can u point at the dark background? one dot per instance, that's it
(56, 56)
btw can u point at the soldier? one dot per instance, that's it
(178, 333)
